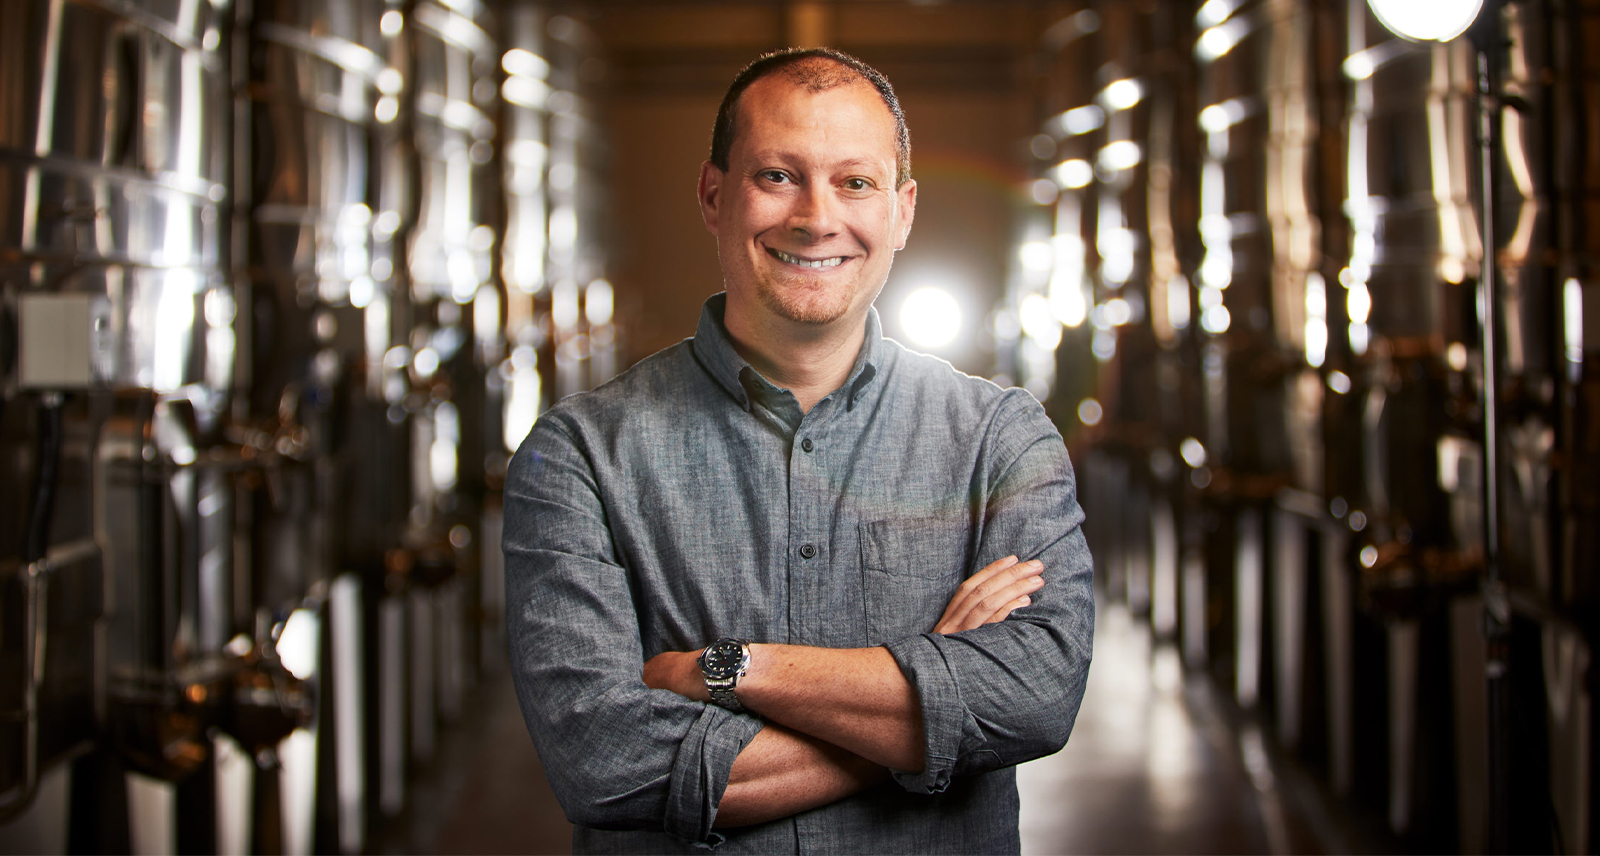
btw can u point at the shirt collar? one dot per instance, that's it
(714, 351)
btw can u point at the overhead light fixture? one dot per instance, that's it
(1427, 20)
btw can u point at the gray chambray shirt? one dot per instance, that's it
(690, 499)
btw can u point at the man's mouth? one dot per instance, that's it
(782, 256)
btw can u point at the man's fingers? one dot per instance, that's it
(990, 595)
(992, 579)
(997, 604)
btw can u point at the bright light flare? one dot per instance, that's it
(525, 63)
(598, 303)
(1427, 20)
(1120, 155)
(1073, 174)
(1039, 321)
(930, 317)
(1122, 94)
(1036, 255)
(298, 643)
(1193, 452)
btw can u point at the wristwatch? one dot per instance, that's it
(723, 662)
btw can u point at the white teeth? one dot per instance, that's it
(824, 263)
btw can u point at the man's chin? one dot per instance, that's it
(808, 309)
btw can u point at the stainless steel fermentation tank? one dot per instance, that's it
(266, 351)
(1269, 253)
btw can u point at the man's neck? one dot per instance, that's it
(809, 361)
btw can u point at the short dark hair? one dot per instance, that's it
(809, 68)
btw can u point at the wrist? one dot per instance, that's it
(722, 665)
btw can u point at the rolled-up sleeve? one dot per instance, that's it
(1009, 692)
(619, 755)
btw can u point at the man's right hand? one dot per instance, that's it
(991, 594)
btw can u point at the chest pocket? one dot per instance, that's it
(910, 569)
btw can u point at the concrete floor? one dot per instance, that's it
(1155, 765)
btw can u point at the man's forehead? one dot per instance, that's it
(776, 90)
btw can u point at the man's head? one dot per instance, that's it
(806, 193)
(815, 69)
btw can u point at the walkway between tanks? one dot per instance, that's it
(1154, 766)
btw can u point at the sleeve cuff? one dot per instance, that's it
(700, 773)
(922, 660)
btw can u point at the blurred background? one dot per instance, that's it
(1309, 286)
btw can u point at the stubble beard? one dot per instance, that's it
(803, 302)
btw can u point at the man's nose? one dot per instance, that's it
(815, 211)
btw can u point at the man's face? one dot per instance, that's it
(807, 217)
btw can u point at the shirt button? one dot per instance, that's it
(808, 551)
(806, 444)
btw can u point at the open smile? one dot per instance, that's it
(810, 263)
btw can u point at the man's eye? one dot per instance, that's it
(775, 176)
(857, 184)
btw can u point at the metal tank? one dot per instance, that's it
(1047, 340)
(140, 661)
(270, 278)
(1383, 445)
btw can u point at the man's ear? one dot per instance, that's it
(710, 193)
(906, 198)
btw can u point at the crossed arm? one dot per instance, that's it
(838, 719)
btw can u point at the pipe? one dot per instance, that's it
(1497, 607)
(35, 585)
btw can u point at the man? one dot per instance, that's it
(764, 592)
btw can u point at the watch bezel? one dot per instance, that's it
(715, 662)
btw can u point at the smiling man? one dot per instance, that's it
(764, 588)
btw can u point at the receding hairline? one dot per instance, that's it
(813, 75)
(814, 70)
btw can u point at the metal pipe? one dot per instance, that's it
(1497, 608)
(36, 599)
(35, 590)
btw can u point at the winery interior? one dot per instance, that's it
(1311, 289)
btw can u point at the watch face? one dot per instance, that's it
(723, 659)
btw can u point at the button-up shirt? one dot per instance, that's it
(690, 499)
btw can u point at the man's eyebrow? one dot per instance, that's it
(780, 156)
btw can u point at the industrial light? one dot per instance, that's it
(930, 317)
(1427, 20)
(1081, 120)
(1039, 322)
(598, 303)
(1073, 174)
(1122, 94)
(1193, 452)
(1036, 255)
(391, 23)
(1090, 412)
(524, 63)
(1120, 155)
(297, 643)
(1214, 12)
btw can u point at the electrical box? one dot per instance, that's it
(56, 341)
